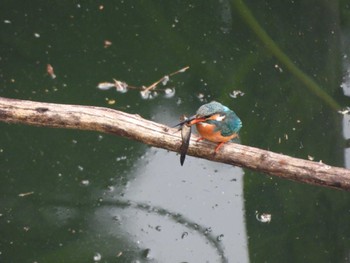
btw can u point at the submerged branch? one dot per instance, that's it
(158, 135)
(271, 45)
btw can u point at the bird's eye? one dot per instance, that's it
(216, 117)
(220, 117)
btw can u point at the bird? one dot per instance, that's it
(214, 122)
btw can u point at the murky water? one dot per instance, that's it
(74, 196)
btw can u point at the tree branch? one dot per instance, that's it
(158, 135)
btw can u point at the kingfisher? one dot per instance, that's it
(214, 122)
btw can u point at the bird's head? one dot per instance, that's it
(210, 111)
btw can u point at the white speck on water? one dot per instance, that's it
(85, 182)
(121, 158)
(311, 158)
(169, 92)
(263, 218)
(165, 80)
(278, 68)
(200, 96)
(145, 94)
(37, 35)
(80, 168)
(235, 93)
(97, 257)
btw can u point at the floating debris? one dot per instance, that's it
(207, 231)
(263, 218)
(147, 253)
(183, 69)
(25, 194)
(169, 92)
(165, 80)
(120, 86)
(110, 188)
(220, 237)
(235, 93)
(105, 85)
(147, 92)
(111, 102)
(200, 96)
(345, 111)
(184, 234)
(97, 257)
(278, 68)
(49, 70)
(107, 43)
(85, 182)
(311, 158)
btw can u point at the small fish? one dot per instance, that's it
(186, 131)
(50, 71)
(105, 85)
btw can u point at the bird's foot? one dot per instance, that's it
(218, 146)
(200, 139)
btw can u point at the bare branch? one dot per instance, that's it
(158, 135)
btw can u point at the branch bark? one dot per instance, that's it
(158, 135)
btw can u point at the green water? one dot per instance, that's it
(76, 196)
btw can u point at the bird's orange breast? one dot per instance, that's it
(207, 131)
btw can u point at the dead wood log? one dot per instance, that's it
(158, 135)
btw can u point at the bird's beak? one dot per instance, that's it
(196, 120)
(191, 121)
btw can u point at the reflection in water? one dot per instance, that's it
(207, 198)
(143, 212)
